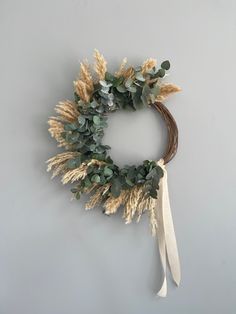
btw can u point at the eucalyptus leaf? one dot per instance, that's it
(109, 77)
(95, 178)
(161, 73)
(121, 88)
(96, 120)
(132, 89)
(116, 187)
(71, 164)
(108, 172)
(70, 127)
(139, 76)
(165, 65)
(128, 82)
(81, 120)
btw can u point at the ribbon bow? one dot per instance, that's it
(166, 234)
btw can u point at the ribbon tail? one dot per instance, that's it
(166, 236)
(170, 239)
(161, 241)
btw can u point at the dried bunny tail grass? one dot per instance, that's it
(121, 70)
(132, 202)
(67, 111)
(55, 129)
(75, 174)
(100, 65)
(81, 88)
(148, 65)
(86, 76)
(97, 197)
(151, 207)
(113, 203)
(129, 73)
(166, 90)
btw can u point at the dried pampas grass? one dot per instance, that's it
(148, 65)
(166, 90)
(131, 204)
(97, 197)
(129, 73)
(81, 88)
(86, 76)
(100, 66)
(75, 174)
(113, 203)
(67, 111)
(58, 163)
(121, 70)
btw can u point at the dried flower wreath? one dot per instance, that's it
(79, 128)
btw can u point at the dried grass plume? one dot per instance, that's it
(166, 90)
(148, 65)
(100, 66)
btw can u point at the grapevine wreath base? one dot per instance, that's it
(79, 129)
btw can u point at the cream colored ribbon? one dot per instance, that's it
(166, 234)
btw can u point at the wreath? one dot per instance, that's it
(79, 129)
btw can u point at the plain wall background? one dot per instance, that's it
(56, 258)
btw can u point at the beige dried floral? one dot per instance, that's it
(75, 174)
(142, 205)
(58, 162)
(81, 89)
(132, 203)
(166, 90)
(121, 70)
(113, 203)
(67, 111)
(80, 172)
(100, 66)
(86, 76)
(148, 65)
(129, 73)
(152, 210)
(97, 197)
(55, 129)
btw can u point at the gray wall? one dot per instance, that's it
(56, 258)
